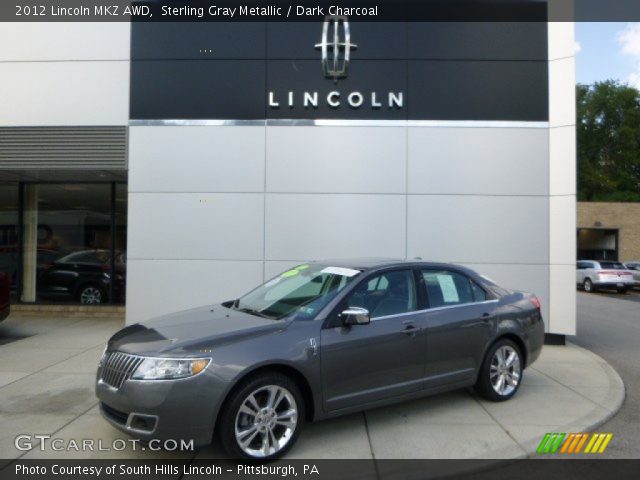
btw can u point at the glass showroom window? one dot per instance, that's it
(9, 255)
(71, 248)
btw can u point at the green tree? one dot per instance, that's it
(608, 132)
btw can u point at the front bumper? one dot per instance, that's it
(184, 409)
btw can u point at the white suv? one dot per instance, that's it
(592, 275)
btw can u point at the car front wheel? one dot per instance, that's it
(501, 372)
(262, 419)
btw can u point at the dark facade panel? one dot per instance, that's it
(475, 90)
(198, 41)
(442, 71)
(197, 89)
(478, 40)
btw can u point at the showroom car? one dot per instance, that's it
(317, 341)
(592, 275)
(4, 296)
(84, 276)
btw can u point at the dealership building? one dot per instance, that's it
(194, 161)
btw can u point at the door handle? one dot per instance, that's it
(410, 328)
(488, 316)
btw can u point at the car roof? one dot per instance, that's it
(374, 263)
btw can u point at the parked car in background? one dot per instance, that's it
(635, 269)
(592, 275)
(4, 295)
(320, 340)
(84, 276)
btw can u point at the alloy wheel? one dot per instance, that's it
(588, 286)
(505, 371)
(266, 421)
(90, 296)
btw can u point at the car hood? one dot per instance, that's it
(192, 332)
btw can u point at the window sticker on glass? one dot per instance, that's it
(295, 271)
(344, 272)
(448, 288)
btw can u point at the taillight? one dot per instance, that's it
(535, 301)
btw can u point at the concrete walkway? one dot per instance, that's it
(47, 369)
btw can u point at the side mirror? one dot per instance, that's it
(355, 316)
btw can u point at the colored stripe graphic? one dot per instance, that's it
(582, 442)
(598, 443)
(573, 443)
(551, 442)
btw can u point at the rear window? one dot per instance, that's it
(612, 266)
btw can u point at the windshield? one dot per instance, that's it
(300, 292)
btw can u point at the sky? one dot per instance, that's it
(608, 51)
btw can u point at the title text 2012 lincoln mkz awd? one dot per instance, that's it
(320, 340)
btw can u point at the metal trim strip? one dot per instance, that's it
(285, 122)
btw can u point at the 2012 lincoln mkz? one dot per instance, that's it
(320, 340)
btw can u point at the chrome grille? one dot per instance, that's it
(117, 367)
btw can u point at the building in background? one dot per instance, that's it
(609, 231)
(239, 155)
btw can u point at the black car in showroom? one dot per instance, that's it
(84, 276)
(4, 296)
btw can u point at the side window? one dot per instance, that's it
(445, 288)
(479, 295)
(390, 293)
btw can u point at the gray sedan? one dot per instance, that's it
(320, 340)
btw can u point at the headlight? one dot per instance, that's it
(169, 368)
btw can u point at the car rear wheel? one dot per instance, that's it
(262, 419)
(588, 285)
(501, 372)
(91, 295)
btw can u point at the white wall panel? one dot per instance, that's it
(479, 229)
(55, 41)
(491, 161)
(224, 226)
(64, 93)
(562, 284)
(196, 159)
(157, 287)
(562, 230)
(527, 278)
(313, 227)
(562, 40)
(562, 162)
(336, 159)
(562, 92)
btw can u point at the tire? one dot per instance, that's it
(237, 425)
(588, 286)
(91, 294)
(623, 290)
(489, 385)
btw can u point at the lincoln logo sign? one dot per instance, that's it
(332, 64)
(335, 47)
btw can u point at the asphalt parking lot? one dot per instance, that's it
(609, 325)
